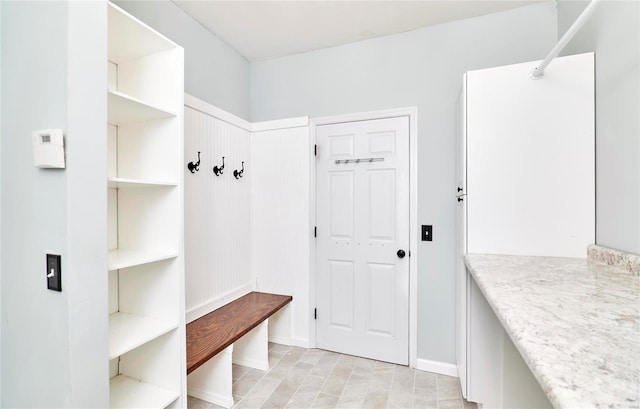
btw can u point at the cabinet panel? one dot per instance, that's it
(484, 379)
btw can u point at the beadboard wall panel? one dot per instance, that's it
(280, 232)
(217, 208)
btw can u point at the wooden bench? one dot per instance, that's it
(241, 324)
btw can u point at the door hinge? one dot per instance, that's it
(315, 150)
(315, 313)
(315, 231)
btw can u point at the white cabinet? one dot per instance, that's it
(525, 178)
(145, 216)
(497, 376)
(530, 159)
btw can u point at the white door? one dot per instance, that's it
(362, 233)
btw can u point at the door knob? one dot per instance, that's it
(460, 199)
(401, 253)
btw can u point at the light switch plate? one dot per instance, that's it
(54, 272)
(427, 232)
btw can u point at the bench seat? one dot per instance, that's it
(212, 333)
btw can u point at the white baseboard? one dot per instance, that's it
(213, 304)
(215, 398)
(280, 340)
(442, 368)
(300, 342)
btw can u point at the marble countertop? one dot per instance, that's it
(575, 322)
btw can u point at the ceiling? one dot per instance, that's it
(262, 30)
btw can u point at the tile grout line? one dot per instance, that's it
(413, 388)
(257, 381)
(305, 378)
(437, 393)
(326, 379)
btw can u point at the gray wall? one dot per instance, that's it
(54, 344)
(35, 331)
(0, 205)
(213, 71)
(422, 68)
(613, 32)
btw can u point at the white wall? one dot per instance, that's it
(0, 206)
(214, 72)
(217, 214)
(280, 232)
(54, 345)
(422, 68)
(613, 32)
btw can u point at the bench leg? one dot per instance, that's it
(252, 350)
(212, 382)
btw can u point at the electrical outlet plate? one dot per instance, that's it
(54, 272)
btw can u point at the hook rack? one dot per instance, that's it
(359, 160)
(218, 169)
(238, 173)
(194, 167)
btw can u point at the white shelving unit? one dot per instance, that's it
(119, 259)
(145, 216)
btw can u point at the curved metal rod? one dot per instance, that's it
(538, 72)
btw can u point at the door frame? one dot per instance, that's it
(412, 113)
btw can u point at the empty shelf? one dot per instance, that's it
(138, 183)
(129, 38)
(128, 331)
(118, 259)
(127, 392)
(125, 109)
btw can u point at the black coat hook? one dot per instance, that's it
(218, 169)
(238, 173)
(193, 167)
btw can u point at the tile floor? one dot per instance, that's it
(312, 378)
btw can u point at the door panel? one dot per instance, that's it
(363, 220)
(341, 277)
(341, 200)
(381, 294)
(382, 205)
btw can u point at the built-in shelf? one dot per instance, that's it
(118, 259)
(137, 183)
(124, 109)
(128, 331)
(130, 39)
(144, 216)
(127, 392)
